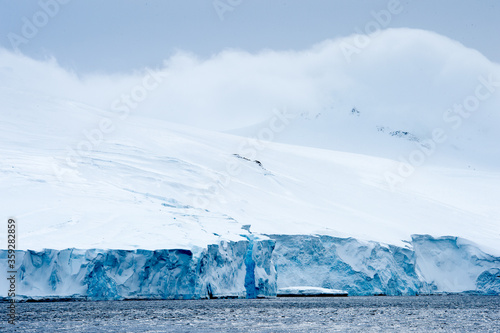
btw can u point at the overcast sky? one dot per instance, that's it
(119, 36)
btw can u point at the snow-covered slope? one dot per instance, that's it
(154, 185)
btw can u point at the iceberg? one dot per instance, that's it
(306, 291)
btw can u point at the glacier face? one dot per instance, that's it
(453, 264)
(427, 265)
(257, 267)
(237, 269)
(221, 270)
(345, 263)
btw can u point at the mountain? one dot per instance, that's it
(330, 197)
(141, 183)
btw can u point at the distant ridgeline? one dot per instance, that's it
(258, 267)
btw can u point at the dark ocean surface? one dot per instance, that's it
(451, 313)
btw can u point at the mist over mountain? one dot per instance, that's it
(381, 94)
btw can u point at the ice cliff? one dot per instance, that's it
(426, 265)
(221, 270)
(257, 267)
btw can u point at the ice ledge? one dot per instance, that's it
(305, 291)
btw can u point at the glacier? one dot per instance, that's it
(427, 265)
(130, 206)
(219, 271)
(259, 267)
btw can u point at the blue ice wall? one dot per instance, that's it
(427, 265)
(256, 267)
(219, 271)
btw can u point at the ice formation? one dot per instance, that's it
(259, 267)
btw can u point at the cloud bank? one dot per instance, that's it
(405, 76)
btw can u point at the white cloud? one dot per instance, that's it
(402, 74)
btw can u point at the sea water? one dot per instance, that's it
(447, 313)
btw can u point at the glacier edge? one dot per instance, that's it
(258, 267)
